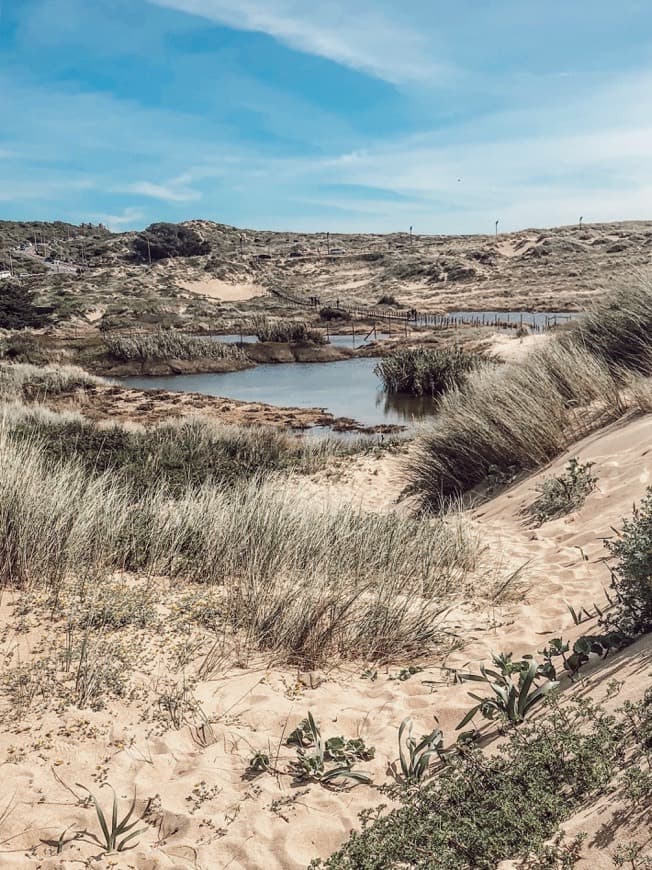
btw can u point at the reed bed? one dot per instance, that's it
(294, 579)
(421, 371)
(168, 345)
(286, 331)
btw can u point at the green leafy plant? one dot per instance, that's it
(515, 692)
(405, 673)
(563, 494)
(118, 834)
(313, 754)
(415, 756)
(259, 763)
(632, 576)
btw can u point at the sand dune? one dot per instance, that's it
(201, 812)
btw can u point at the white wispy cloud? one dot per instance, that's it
(174, 191)
(128, 218)
(371, 36)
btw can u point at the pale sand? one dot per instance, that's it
(251, 707)
(510, 348)
(223, 290)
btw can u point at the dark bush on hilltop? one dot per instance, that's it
(18, 308)
(167, 241)
(422, 371)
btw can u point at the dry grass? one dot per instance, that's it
(521, 416)
(18, 380)
(292, 578)
(514, 416)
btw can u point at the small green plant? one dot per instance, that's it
(311, 765)
(405, 673)
(119, 833)
(563, 494)
(632, 856)
(515, 690)
(259, 763)
(415, 757)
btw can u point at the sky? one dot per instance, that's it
(371, 116)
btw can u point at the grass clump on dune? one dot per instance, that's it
(23, 380)
(168, 345)
(522, 415)
(421, 371)
(293, 579)
(618, 330)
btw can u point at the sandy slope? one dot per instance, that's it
(223, 290)
(202, 813)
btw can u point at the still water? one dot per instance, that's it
(347, 388)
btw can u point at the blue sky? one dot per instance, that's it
(292, 114)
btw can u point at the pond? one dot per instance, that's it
(347, 388)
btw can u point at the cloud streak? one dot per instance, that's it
(368, 36)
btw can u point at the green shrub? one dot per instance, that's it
(632, 577)
(334, 314)
(19, 309)
(482, 810)
(425, 371)
(563, 494)
(388, 299)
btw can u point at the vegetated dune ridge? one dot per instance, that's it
(200, 811)
(554, 269)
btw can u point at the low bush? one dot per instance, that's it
(286, 331)
(425, 371)
(563, 494)
(482, 810)
(387, 299)
(334, 314)
(168, 345)
(19, 308)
